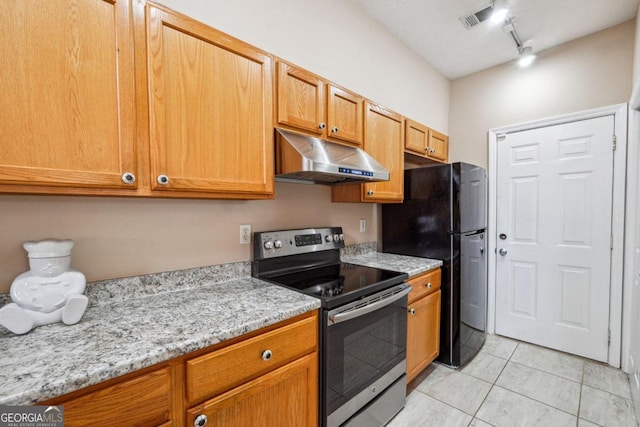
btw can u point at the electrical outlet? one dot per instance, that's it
(363, 225)
(245, 234)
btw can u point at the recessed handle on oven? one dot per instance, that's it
(342, 317)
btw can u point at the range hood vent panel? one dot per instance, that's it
(306, 159)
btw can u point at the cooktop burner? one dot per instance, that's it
(337, 283)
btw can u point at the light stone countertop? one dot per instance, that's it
(124, 335)
(136, 322)
(413, 266)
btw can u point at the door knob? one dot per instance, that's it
(502, 251)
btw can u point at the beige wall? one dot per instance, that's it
(636, 54)
(590, 72)
(118, 237)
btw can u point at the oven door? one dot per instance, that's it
(364, 353)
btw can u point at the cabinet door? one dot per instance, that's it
(438, 146)
(383, 140)
(423, 333)
(67, 94)
(416, 137)
(301, 99)
(344, 115)
(211, 113)
(286, 397)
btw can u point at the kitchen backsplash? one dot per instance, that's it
(359, 249)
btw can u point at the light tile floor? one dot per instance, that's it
(513, 384)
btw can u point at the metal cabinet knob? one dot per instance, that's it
(267, 355)
(429, 285)
(163, 179)
(412, 311)
(334, 130)
(200, 421)
(128, 178)
(370, 193)
(481, 251)
(502, 251)
(322, 126)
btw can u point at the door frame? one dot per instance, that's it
(619, 111)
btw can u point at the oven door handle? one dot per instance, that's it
(343, 317)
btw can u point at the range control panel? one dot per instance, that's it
(271, 244)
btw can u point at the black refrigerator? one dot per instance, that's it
(444, 217)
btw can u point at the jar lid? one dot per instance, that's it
(50, 248)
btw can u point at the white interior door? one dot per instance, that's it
(554, 207)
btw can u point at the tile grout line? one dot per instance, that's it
(493, 384)
(548, 373)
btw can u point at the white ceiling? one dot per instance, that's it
(431, 28)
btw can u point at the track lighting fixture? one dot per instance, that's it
(499, 11)
(526, 52)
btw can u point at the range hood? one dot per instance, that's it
(304, 159)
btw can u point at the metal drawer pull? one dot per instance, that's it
(334, 130)
(163, 179)
(322, 126)
(200, 421)
(412, 311)
(429, 285)
(267, 355)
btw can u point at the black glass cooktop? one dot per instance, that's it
(339, 283)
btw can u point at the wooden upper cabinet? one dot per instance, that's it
(310, 104)
(301, 99)
(210, 109)
(424, 142)
(67, 95)
(416, 137)
(344, 115)
(383, 140)
(384, 133)
(438, 146)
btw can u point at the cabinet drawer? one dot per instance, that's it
(424, 284)
(285, 397)
(141, 401)
(229, 367)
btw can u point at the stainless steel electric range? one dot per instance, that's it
(363, 322)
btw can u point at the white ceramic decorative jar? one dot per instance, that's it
(49, 292)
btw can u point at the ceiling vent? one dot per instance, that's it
(476, 18)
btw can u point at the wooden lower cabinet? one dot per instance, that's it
(423, 323)
(144, 400)
(285, 397)
(275, 383)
